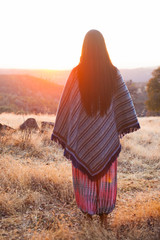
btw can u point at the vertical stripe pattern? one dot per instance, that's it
(97, 196)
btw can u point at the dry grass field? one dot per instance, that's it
(36, 192)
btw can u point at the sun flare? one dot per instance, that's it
(49, 34)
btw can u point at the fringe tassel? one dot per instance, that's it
(76, 164)
(129, 130)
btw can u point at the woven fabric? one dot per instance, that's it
(98, 196)
(92, 143)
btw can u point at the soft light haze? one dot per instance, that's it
(49, 33)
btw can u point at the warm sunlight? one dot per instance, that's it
(49, 33)
(79, 143)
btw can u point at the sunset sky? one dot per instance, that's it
(48, 34)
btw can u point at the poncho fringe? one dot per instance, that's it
(80, 143)
(78, 165)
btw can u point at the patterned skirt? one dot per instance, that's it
(98, 196)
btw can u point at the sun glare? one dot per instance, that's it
(49, 34)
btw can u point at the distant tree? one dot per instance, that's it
(132, 89)
(153, 91)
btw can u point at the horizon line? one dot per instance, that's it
(52, 69)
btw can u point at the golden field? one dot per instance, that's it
(36, 192)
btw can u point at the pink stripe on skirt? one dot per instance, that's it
(96, 197)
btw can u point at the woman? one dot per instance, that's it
(94, 112)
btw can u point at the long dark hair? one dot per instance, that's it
(96, 74)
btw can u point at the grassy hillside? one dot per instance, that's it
(36, 192)
(26, 94)
(29, 94)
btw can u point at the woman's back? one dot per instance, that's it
(94, 112)
(93, 141)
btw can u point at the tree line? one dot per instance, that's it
(153, 92)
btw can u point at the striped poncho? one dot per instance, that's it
(93, 143)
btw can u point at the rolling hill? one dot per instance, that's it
(60, 76)
(39, 91)
(25, 94)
